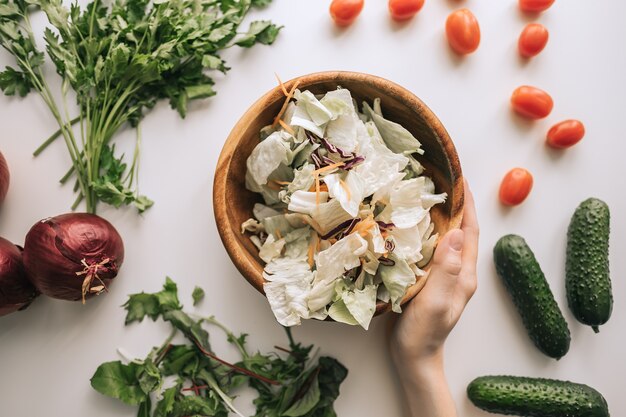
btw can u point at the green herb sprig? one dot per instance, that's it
(120, 58)
(191, 380)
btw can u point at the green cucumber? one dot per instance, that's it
(587, 279)
(536, 397)
(531, 294)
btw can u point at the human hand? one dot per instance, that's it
(423, 327)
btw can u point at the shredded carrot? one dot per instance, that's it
(286, 127)
(274, 185)
(345, 188)
(277, 233)
(312, 246)
(287, 99)
(282, 86)
(323, 187)
(327, 168)
(364, 226)
(282, 182)
(317, 190)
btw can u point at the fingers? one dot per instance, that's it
(468, 279)
(447, 262)
(471, 229)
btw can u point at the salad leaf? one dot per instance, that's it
(329, 215)
(396, 137)
(261, 211)
(406, 203)
(348, 191)
(361, 304)
(397, 279)
(342, 132)
(287, 286)
(338, 102)
(197, 295)
(318, 113)
(271, 249)
(114, 379)
(267, 156)
(302, 118)
(306, 201)
(152, 305)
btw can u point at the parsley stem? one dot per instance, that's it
(54, 136)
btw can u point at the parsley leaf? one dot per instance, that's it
(202, 384)
(197, 295)
(120, 58)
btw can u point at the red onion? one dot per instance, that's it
(16, 291)
(4, 178)
(73, 256)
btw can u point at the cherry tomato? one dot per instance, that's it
(531, 102)
(565, 134)
(535, 6)
(404, 9)
(344, 12)
(463, 31)
(515, 186)
(532, 40)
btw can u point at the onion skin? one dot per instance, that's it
(16, 291)
(64, 252)
(4, 178)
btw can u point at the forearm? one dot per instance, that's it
(425, 388)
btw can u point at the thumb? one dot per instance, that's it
(447, 260)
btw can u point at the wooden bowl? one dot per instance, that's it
(233, 202)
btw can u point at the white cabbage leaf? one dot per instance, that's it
(271, 249)
(287, 287)
(396, 137)
(302, 119)
(397, 279)
(361, 304)
(251, 225)
(342, 132)
(267, 156)
(329, 215)
(339, 312)
(406, 204)
(318, 113)
(277, 226)
(338, 102)
(261, 211)
(306, 201)
(297, 243)
(331, 264)
(349, 194)
(408, 243)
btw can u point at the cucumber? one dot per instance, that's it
(587, 279)
(531, 294)
(536, 397)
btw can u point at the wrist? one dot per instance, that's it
(420, 369)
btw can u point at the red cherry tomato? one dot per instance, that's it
(565, 134)
(532, 40)
(531, 102)
(404, 9)
(344, 12)
(535, 6)
(515, 186)
(463, 31)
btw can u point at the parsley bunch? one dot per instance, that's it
(191, 380)
(120, 58)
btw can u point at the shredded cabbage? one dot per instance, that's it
(346, 219)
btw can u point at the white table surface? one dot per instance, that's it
(49, 352)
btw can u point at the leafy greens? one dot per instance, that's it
(178, 380)
(120, 58)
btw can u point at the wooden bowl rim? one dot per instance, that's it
(252, 270)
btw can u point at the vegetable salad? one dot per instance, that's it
(346, 219)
